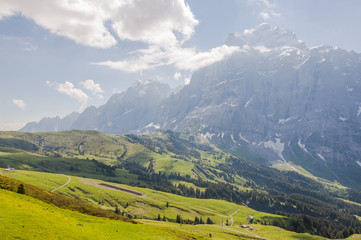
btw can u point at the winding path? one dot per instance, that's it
(69, 178)
(231, 216)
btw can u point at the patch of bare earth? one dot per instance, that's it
(112, 187)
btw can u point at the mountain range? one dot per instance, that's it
(275, 102)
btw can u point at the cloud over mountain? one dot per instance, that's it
(163, 25)
(19, 103)
(69, 89)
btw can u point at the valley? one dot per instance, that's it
(171, 176)
(145, 208)
(173, 119)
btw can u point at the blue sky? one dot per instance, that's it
(60, 56)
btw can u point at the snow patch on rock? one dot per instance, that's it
(128, 112)
(277, 147)
(152, 125)
(233, 138)
(283, 121)
(248, 102)
(243, 138)
(302, 146)
(320, 156)
(208, 135)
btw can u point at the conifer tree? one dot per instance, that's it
(21, 189)
(117, 210)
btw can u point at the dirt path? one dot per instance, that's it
(69, 178)
(255, 235)
(229, 229)
(231, 216)
(112, 187)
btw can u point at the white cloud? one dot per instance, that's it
(69, 89)
(11, 126)
(19, 103)
(49, 83)
(93, 87)
(157, 22)
(266, 8)
(79, 20)
(187, 80)
(181, 58)
(177, 75)
(188, 59)
(162, 24)
(264, 15)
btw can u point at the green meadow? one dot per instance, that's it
(23, 217)
(146, 209)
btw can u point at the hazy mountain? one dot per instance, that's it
(275, 102)
(127, 111)
(49, 124)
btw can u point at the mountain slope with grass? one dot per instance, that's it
(187, 165)
(23, 217)
(146, 209)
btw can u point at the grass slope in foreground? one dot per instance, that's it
(155, 203)
(23, 217)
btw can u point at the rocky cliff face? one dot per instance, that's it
(278, 102)
(275, 102)
(126, 111)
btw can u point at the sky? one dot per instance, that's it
(61, 56)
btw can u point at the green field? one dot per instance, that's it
(154, 203)
(208, 182)
(142, 207)
(23, 217)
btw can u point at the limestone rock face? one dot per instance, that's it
(278, 102)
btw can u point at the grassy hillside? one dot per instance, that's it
(23, 217)
(149, 205)
(174, 163)
(154, 203)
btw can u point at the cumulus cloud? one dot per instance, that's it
(162, 24)
(19, 103)
(91, 22)
(181, 58)
(93, 87)
(68, 89)
(189, 59)
(177, 75)
(79, 20)
(155, 22)
(264, 15)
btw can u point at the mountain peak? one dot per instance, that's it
(265, 35)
